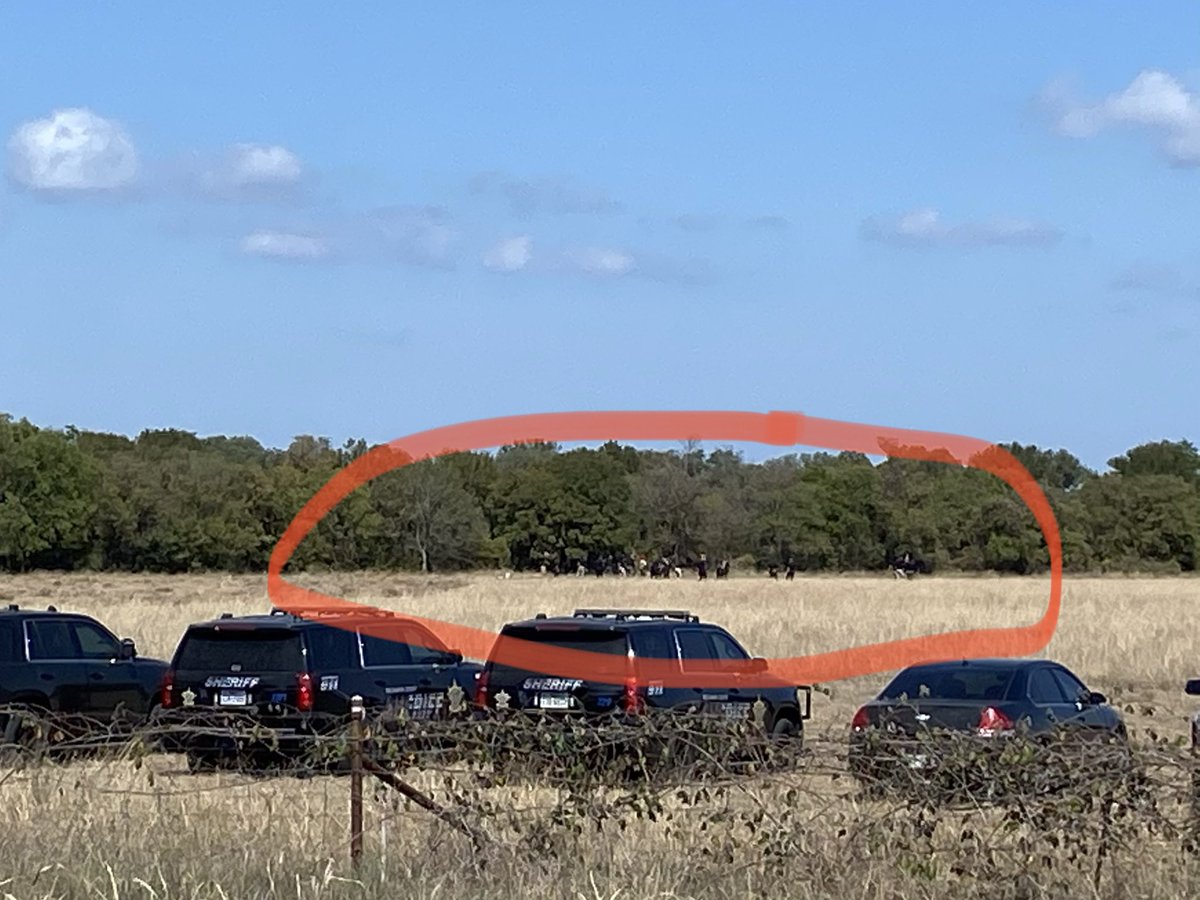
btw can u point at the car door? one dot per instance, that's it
(114, 690)
(1052, 710)
(657, 644)
(403, 672)
(58, 672)
(708, 653)
(1095, 719)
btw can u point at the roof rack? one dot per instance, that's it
(364, 611)
(682, 614)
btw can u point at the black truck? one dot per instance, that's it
(257, 685)
(65, 676)
(673, 635)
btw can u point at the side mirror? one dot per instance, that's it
(128, 649)
(1096, 699)
(757, 666)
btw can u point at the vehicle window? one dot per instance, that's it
(590, 640)
(693, 644)
(51, 639)
(383, 652)
(10, 643)
(652, 645)
(949, 684)
(330, 647)
(1071, 686)
(402, 644)
(724, 648)
(95, 642)
(249, 651)
(1045, 688)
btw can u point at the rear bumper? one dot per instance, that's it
(180, 730)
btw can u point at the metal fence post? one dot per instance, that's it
(356, 778)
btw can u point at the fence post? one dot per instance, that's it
(356, 778)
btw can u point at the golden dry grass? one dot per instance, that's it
(108, 829)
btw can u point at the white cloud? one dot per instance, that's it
(72, 151)
(509, 255)
(924, 227)
(256, 164)
(601, 262)
(1154, 100)
(284, 245)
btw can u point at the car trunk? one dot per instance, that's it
(240, 670)
(530, 689)
(913, 717)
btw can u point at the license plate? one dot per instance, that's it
(735, 710)
(423, 706)
(233, 698)
(554, 701)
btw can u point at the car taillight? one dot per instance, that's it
(992, 721)
(481, 690)
(860, 720)
(167, 690)
(304, 692)
(632, 701)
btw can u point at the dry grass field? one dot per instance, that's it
(112, 829)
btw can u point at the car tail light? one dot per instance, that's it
(992, 721)
(860, 720)
(304, 692)
(166, 690)
(632, 701)
(481, 690)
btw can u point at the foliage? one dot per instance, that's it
(170, 501)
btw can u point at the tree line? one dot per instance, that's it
(170, 501)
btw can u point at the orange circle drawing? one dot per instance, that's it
(773, 428)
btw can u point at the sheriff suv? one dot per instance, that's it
(68, 671)
(283, 679)
(677, 637)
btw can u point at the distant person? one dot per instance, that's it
(791, 570)
(702, 567)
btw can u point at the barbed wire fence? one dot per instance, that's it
(515, 784)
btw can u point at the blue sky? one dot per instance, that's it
(295, 219)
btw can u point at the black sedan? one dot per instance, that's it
(926, 710)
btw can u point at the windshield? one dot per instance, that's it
(257, 650)
(949, 684)
(590, 640)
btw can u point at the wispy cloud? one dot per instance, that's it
(244, 172)
(554, 196)
(1154, 101)
(595, 262)
(72, 151)
(421, 236)
(770, 222)
(925, 227)
(1155, 279)
(282, 245)
(509, 254)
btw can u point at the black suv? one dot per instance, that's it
(692, 646)
(68, 670)
(284, 678)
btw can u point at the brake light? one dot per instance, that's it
(992, 721)
(304, 692)
(481, 690)
(633, 702)
(860, 720)
(167, 690)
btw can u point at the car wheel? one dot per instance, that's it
(25, 733)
